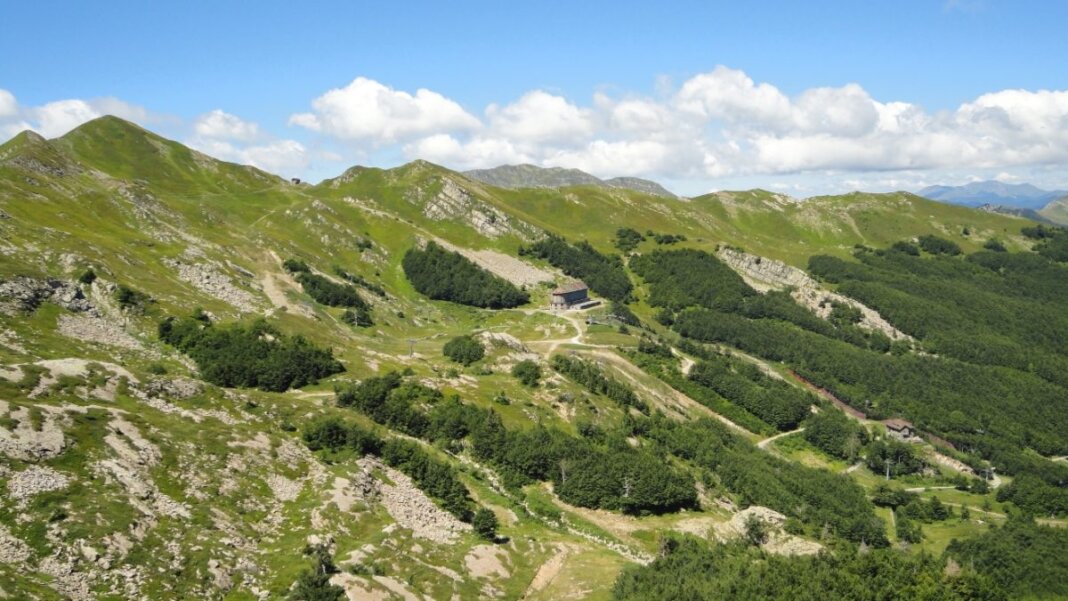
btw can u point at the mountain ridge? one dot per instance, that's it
(533, 176)
(993, 192)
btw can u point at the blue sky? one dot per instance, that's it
(803, 97)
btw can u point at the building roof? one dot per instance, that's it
(897, 424)
(569, 287)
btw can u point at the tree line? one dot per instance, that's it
(253, 355)
(606, 473)
(446, 275)
(604, 274)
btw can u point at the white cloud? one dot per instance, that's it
(280, 156)
(366, 110)
(9, 107)
(616, 158)
(475, 153)
(730, 95)
(231, 138)
(59, 117)
(224, 126)
(715, 126)
(541, 117)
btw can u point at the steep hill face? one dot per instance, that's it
(138, 460)
(532, 176)
(1056, 211)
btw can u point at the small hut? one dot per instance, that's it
(569, 295)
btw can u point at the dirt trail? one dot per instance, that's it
(764, 443)
(549, 570)
(270, 283)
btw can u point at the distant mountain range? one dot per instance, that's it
(532, 176)
(977, 194)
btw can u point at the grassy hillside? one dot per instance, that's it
(129, 475)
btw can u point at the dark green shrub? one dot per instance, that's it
(464, 350)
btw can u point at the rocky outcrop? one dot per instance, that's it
(28, 443)
(33, 481)
(210, 280)
(408, 505)
(12, 550)
(26, 294)
(453, 202)
(778, 541)
(177, 388)
(96, 329)
(768, 274)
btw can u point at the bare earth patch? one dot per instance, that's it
(514, 270)
(90, 328)
(486, 561)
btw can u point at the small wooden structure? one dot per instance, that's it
(899, 428)
(569, 295)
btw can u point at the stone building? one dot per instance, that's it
(569, 295)
(899, 429)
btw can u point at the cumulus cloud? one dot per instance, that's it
(366, 110)
(59, 117)
(231, 138)
(9, 107)
(723, 123)
(541, 117)
(714, 125)
(730, 95)
(221, 125)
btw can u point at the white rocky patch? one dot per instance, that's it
(283, 488)
(33, 481)
(778, 542)
(455, 202)
(96, 329)
(28, 444)
(210, 280)
(12, 550)
(411, 508)
(510, 268)
(768, 274)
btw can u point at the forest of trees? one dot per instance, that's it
(1008, 409)
(446, 275)
(984, 314)
(604, 274)
(687, 277)
(1051, 242)
(607, 473)
(775, 401)
(991, 308)
(358, 280)
(627, 239)
(692, 278)
(835, 434)
(464, 350)
(657, 359)
(819, 498)
(697, 571)
(1025, 559)
(254, 355)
